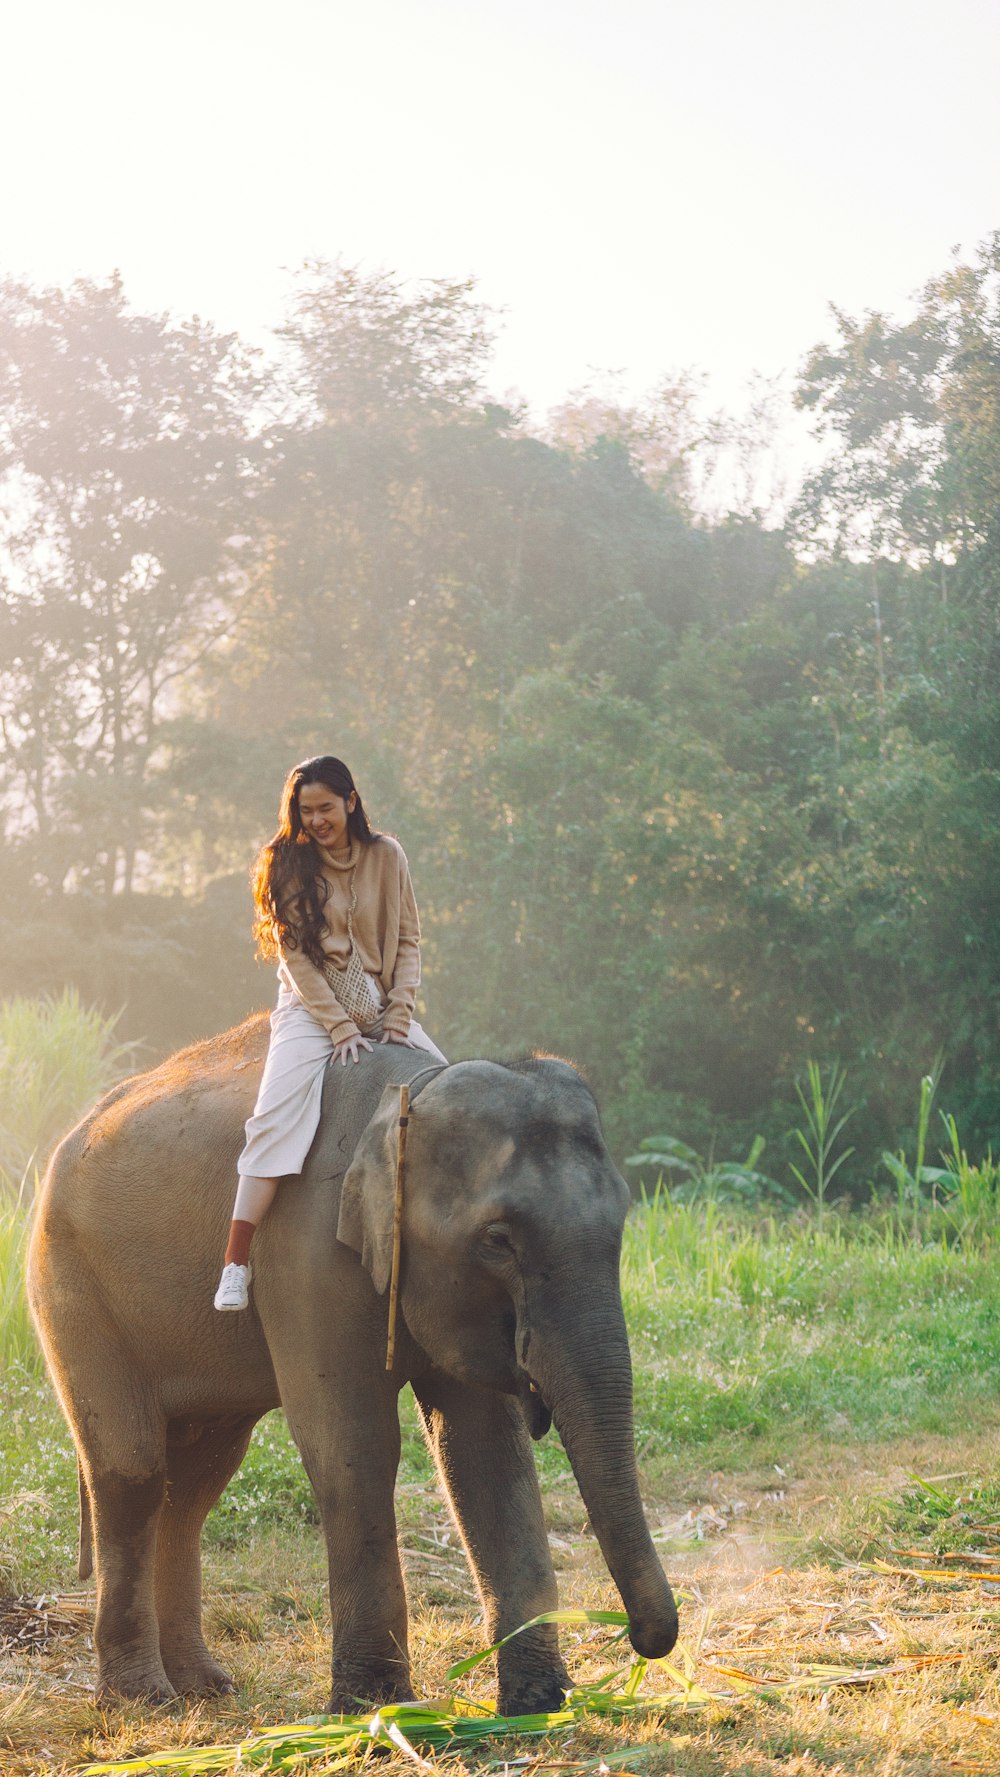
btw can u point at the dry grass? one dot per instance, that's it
(769, 1603)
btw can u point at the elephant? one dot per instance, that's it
(509, 1313)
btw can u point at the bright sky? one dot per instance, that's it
(639, 185)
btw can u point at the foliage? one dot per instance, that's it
(721, 1181)
(678, 804)
(819, 1140)
(964, 1199)
(124, 477)
(18, 1345)
(56, 1057)
(915, 409)
(910, 1184)
(969, 1196)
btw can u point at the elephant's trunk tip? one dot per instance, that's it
(653, 1639)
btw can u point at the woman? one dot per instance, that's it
(335, 905)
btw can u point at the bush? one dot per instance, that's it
(56, 1056)
(18, 1345)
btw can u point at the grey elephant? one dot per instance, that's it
(509, 1311)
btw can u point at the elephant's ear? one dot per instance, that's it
(367, 1193)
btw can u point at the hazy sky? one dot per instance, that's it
(638, 185)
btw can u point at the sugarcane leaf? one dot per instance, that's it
(616, 1617)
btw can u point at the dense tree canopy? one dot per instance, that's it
(128, 502)
(693, 800)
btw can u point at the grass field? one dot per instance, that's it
(818, 1420)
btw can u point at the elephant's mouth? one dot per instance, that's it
(533, 1407)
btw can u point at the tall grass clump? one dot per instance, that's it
(970, 1201)
(819, 1100)
(957, 1202)
(56, 1056)
(18, 1345)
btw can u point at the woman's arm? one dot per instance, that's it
(318, 997)
(406, 970)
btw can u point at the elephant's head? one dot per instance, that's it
(511, 1244)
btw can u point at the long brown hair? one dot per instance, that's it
(289, 889)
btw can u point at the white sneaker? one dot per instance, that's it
(233, 1290)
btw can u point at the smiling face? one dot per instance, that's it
(324, 813)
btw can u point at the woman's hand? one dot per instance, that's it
(350, 1047)
(393, 1036)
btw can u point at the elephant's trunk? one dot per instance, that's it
(578, 1357)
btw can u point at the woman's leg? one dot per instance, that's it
(420, 1040)
(279, 1133)
(254, 1197)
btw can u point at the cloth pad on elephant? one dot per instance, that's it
(350, 1099)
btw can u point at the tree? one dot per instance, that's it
(126, 480)
(664, 435)
(915, 408)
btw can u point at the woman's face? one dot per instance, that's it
(324, 815)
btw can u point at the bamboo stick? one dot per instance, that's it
(397, 1222)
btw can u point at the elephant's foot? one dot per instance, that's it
(148, 1684)
(528, 1692)
(194, 1673)
(356, 1685)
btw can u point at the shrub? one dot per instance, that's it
(56, 1056)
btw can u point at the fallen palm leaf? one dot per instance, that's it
(615, 1617)
(973, 1575)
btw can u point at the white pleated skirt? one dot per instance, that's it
(286, 1115)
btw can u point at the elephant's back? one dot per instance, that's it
(176, 1127)
(130, 1228)
(351, 1096)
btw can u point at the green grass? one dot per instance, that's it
(56, 1057)
(949, 1514)
(38, 1503)
(18, 1345)
(748, 1338)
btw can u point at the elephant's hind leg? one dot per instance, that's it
(126, 1513)
(126, 1502)
(201, 1458)
(120, 1436)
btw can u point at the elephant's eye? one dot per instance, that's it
(495, 1241)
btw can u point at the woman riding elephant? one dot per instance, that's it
(335, 905)
(509, 1313)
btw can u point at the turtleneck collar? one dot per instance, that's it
(344, 859)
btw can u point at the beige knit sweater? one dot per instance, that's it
(386, 931)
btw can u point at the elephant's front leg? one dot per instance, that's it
(351, 1458)
(483, 1453)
